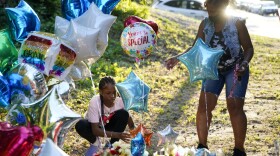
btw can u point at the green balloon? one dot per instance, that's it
(8, 52)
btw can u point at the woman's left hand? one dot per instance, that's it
(242, 68)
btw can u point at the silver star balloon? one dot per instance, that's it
(168, 135)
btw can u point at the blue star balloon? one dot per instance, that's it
(138, 145)
(134, 93)
(74, 8)
(23, 20)
(5, 94)
(202, 61)
(106, 6)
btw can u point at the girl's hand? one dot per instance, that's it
(242, 68)
(171, 62)
(125, 137)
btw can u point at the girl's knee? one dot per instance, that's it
(122, 113)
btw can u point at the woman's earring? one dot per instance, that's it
(205, 5)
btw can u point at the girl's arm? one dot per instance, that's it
(130, 123)
(110, 134)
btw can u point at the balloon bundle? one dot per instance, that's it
(35, 77)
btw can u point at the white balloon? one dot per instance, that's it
(94, 18)
(79, 71)
(61, 26)
(83, 40)
(51, 149)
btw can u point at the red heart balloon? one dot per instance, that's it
(18, 140)
(132, 19)
(38, 135)
(4, 125)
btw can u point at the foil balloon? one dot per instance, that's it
(62, 62)
(26, 83)
(5, 125)
(48, 112)
(93, 18)
(138, 145)
(79, 71)
(132, 19)
(5, 94)
(147, 134)
(73, 8)
(63, 90)
(83, 40)
(22, 20)
(204, 152)
(50, 148)
(167, 135)
(202, 61)
(134, 93)
(138, 40)
(39, 50)
(8, 52)
(106, 6)
(19, 140)
(61, 26)
(60, 130)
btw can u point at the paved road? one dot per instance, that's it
(262, 25)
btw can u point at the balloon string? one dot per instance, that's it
(235, 78)
(91, 79)
(10, 112)
(143, 89)
(206, 106)
(99, 112)
(102, 124)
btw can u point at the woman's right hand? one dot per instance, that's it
(171, 62)
(126, 137)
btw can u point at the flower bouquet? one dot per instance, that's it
(174, 150)
(118, 148)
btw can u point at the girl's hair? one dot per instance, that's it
(102, 83)
(106, 80)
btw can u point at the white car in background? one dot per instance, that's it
(192, 8)
(268, 7)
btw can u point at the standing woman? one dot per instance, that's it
(231, 35)
(114, 117)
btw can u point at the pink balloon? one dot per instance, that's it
(132, 19)
(18, 140)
